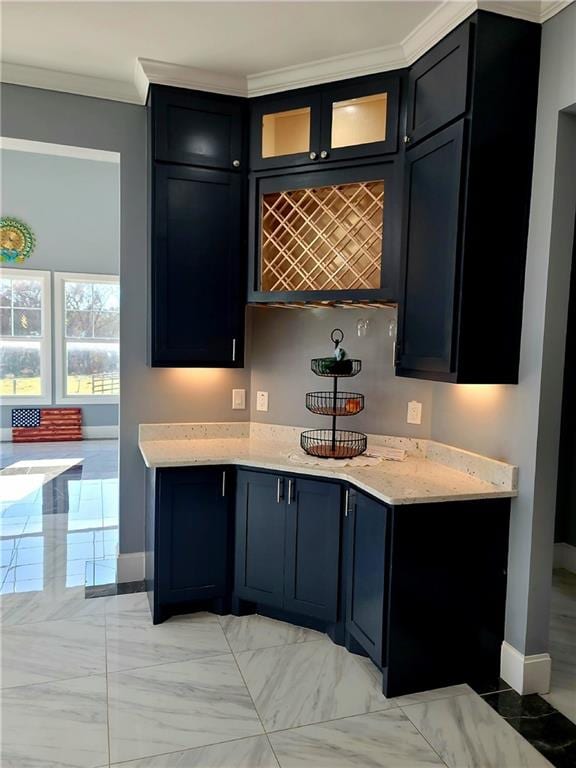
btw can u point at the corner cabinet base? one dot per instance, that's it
(419, 589)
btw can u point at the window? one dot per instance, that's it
(87, 337)
(25, 376)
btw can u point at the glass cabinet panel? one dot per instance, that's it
(286, 133)
(359, 121)
(322, 238)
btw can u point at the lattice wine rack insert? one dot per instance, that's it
(322, 238)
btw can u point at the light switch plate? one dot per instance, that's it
(261, 401)
(414, 415)
(238, 399)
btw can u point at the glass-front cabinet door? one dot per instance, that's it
(360, 119)
(350, 120)
(285, 131)
(325, 235)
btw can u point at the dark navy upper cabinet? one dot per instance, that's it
(438, 86)
(312, 548)
(338, 121)
(366, 573)
(191, 521)
(260, 534)
(428, 318)
(467, 187)
(288, 543)
(196, 270)
(197, 128)
(197, 189)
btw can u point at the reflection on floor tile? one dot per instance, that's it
(379, 740)
(55, 724)
(178, 706)
(563, 644)
(248, 633)
(253, 752)
(467, 733)
(58, 499)
(306, 683)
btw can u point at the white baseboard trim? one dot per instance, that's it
(100, 433)
(526, 674)
(88, 433)
(565, 556)
(130, 567)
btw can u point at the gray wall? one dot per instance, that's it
(522, 423)
(73, 208)
(147, 394)
(283, 341)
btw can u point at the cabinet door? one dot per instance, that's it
(260, 534)
(193, 535)
(284, 131)
(197, 295)
(330, 234)
(360, 119)
(432, 246)
(438, 85)
(196, 129)
(366, 581)
(312, 548)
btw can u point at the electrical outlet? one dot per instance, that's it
(414, 415)
(261, 401)
(238, 399)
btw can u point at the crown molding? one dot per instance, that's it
(186, 77)
(82, 85)
(431, 30)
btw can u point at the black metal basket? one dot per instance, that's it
(333, 444)
(335, 404)
(329, 366)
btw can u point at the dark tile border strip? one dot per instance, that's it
(110, 590)
(547, 729)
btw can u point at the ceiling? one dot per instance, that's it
(93, 47)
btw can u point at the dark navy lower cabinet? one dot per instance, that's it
(288, 543)
(191, 524)
(366, 573)
(312, 554)
(260, 524)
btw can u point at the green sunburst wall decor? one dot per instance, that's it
(17, 240)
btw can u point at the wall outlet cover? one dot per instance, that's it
(414, 415)
(261, 401)
(238, 399)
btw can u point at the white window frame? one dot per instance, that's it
(60, 341)
(45, 339)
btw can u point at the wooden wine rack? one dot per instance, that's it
(322, 238)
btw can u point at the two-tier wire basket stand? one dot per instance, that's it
(334, 443)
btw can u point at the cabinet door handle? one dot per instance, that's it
(279, 490)
(236, 163)
(224, 482)
(324, 154)
(346, 502)
(313, 155)
(233, 350)
(407, 139)
(290, 491)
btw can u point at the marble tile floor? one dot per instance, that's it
(91, 683)
(562, 694)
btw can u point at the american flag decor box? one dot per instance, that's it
(43, 425)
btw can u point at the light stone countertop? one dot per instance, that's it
(432, 472)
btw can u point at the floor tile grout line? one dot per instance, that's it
(108, 736)
(265, 732)
(432, 747)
